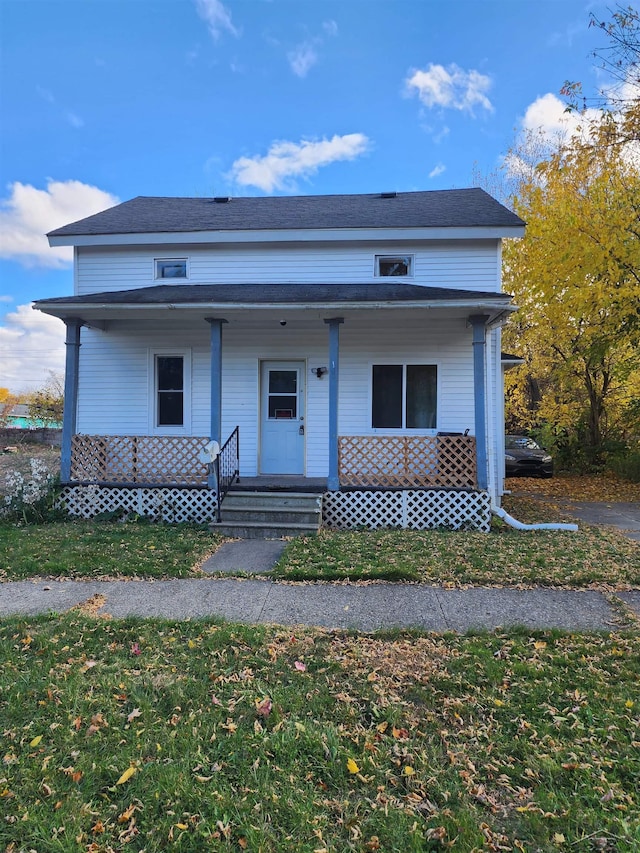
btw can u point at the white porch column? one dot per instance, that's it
(72, 363)
(478, 324)
(333, 481)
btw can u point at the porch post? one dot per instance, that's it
(333, 481)
(478, 324)
(216, 378)
(72, 362)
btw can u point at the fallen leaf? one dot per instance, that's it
(128, 773)
(36, 740)
(135, 713)
(263, 708)
(408, 770)
(301, 667)
(352, 767)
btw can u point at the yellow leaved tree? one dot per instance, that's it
(576, 278)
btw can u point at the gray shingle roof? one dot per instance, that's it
(257, 294)
(436, 208)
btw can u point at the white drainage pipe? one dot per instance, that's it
(513, 522)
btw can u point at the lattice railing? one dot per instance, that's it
(407, 461)
(158, 459)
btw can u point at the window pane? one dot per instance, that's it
(170, 411)
(394, 266)
(283, 381)
(170, 388)
(386, 409)
(171, 269)
(283, 407)
(170, 373)
(421, 396)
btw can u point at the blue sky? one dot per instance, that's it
(103, 100)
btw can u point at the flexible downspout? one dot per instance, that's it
(518, 525)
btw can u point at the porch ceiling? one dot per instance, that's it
(203, 299)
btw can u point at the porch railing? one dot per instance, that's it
(445, 461)
(227, 466)
(158, 460)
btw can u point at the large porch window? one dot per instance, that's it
(404, 396)
(171, 383)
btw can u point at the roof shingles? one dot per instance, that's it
(430, 209)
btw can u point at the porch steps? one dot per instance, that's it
(269, 515)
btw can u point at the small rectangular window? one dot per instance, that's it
(171, 268)
(170, 390)
(404, 396)
(394, 265)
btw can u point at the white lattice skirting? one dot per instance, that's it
(162, 504)
(418, 509)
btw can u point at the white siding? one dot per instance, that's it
(115, 386)
(472, 265)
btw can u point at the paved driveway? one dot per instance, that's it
(623, 516)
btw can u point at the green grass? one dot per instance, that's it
(91, 549)
(524, 742)
(504, 557)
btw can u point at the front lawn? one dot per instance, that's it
(504, 557)
(150, 735)
(92, 549)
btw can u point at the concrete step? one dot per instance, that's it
(259, 530)
(269, 515)
(270, 499)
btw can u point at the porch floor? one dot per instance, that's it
(280, 483)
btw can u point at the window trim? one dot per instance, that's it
(405, 430)
(394, 256)
(176, 352)
(156, 267)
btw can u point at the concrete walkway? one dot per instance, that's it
(365, 607)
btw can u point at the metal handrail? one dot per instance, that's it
(227, 467)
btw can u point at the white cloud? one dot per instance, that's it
(548, 115)
(31, 348)
(437, 170)
(74, 119)
(330, 27)
(287, 160)
(217, 16)
(451, 87)
(302, 58)
(29, 213)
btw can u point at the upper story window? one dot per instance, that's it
(171, 268)
(396, 265)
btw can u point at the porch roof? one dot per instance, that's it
(274, 296)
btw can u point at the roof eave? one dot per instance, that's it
(98, 310)
(293, 235)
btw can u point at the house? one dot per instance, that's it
(347, 342)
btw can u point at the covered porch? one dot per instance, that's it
(229, 338)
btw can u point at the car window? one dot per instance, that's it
(520, 442)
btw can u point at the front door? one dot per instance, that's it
(282, 422)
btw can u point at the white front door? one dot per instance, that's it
(282, 423)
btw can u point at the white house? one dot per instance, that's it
(351, 342)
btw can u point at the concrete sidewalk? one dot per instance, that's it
(364, 607)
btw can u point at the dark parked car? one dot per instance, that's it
(525, 458)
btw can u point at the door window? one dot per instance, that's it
(283, 394)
